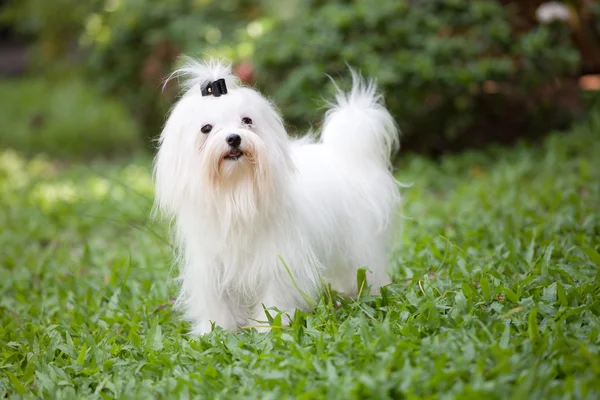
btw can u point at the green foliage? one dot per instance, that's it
(455, 72)
(452, 71)
(63, 118)
(133, 46)
(56, 25)
(495, 295)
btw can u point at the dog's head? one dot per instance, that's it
(223, 145)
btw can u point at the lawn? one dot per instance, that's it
(496, 293)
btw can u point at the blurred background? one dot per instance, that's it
(82, 78)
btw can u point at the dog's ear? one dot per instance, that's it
(172, 167)
(275, 127)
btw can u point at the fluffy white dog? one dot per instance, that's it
(262, 219)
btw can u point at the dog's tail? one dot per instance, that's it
(359, 126)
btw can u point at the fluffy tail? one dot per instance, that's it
(359, 126)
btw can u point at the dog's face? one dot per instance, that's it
(231, 138)
(218, 150)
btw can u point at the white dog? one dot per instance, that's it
(261, 219)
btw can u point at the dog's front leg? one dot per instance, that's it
(273, 298)
(204, 307)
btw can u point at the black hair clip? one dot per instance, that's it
(216, 88)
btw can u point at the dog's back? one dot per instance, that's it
(346, 190)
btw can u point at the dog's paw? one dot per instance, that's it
(201, 328)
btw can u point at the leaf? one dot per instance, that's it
(361, 280)
(16, 383)
(210, 371)
(562, 297)
(298, 324)
(277, 324)
(533, 329)
(412, 298)
(461, 301)
(548, 253)
(592, 254)
(593, 336)
(383, 291)
(134, 337)
(268, 315)
(485, 288)
(154, 338)
(510, 295)
(549, 294)
(30, 369)
(81, 356)
(467, 290)
(530, 252)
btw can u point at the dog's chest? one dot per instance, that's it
(245, 261)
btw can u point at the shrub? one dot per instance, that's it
(64, 119)
(454, 72)
(54, 25)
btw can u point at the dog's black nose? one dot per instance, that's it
(234, 140)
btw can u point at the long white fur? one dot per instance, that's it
(271, 227)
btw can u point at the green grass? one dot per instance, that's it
(497, 290)
(63, 118)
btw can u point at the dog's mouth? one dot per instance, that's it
(234, 154)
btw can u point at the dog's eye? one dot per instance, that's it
(246, 121)
(206, 128)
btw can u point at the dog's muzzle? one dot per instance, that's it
(234, 140)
